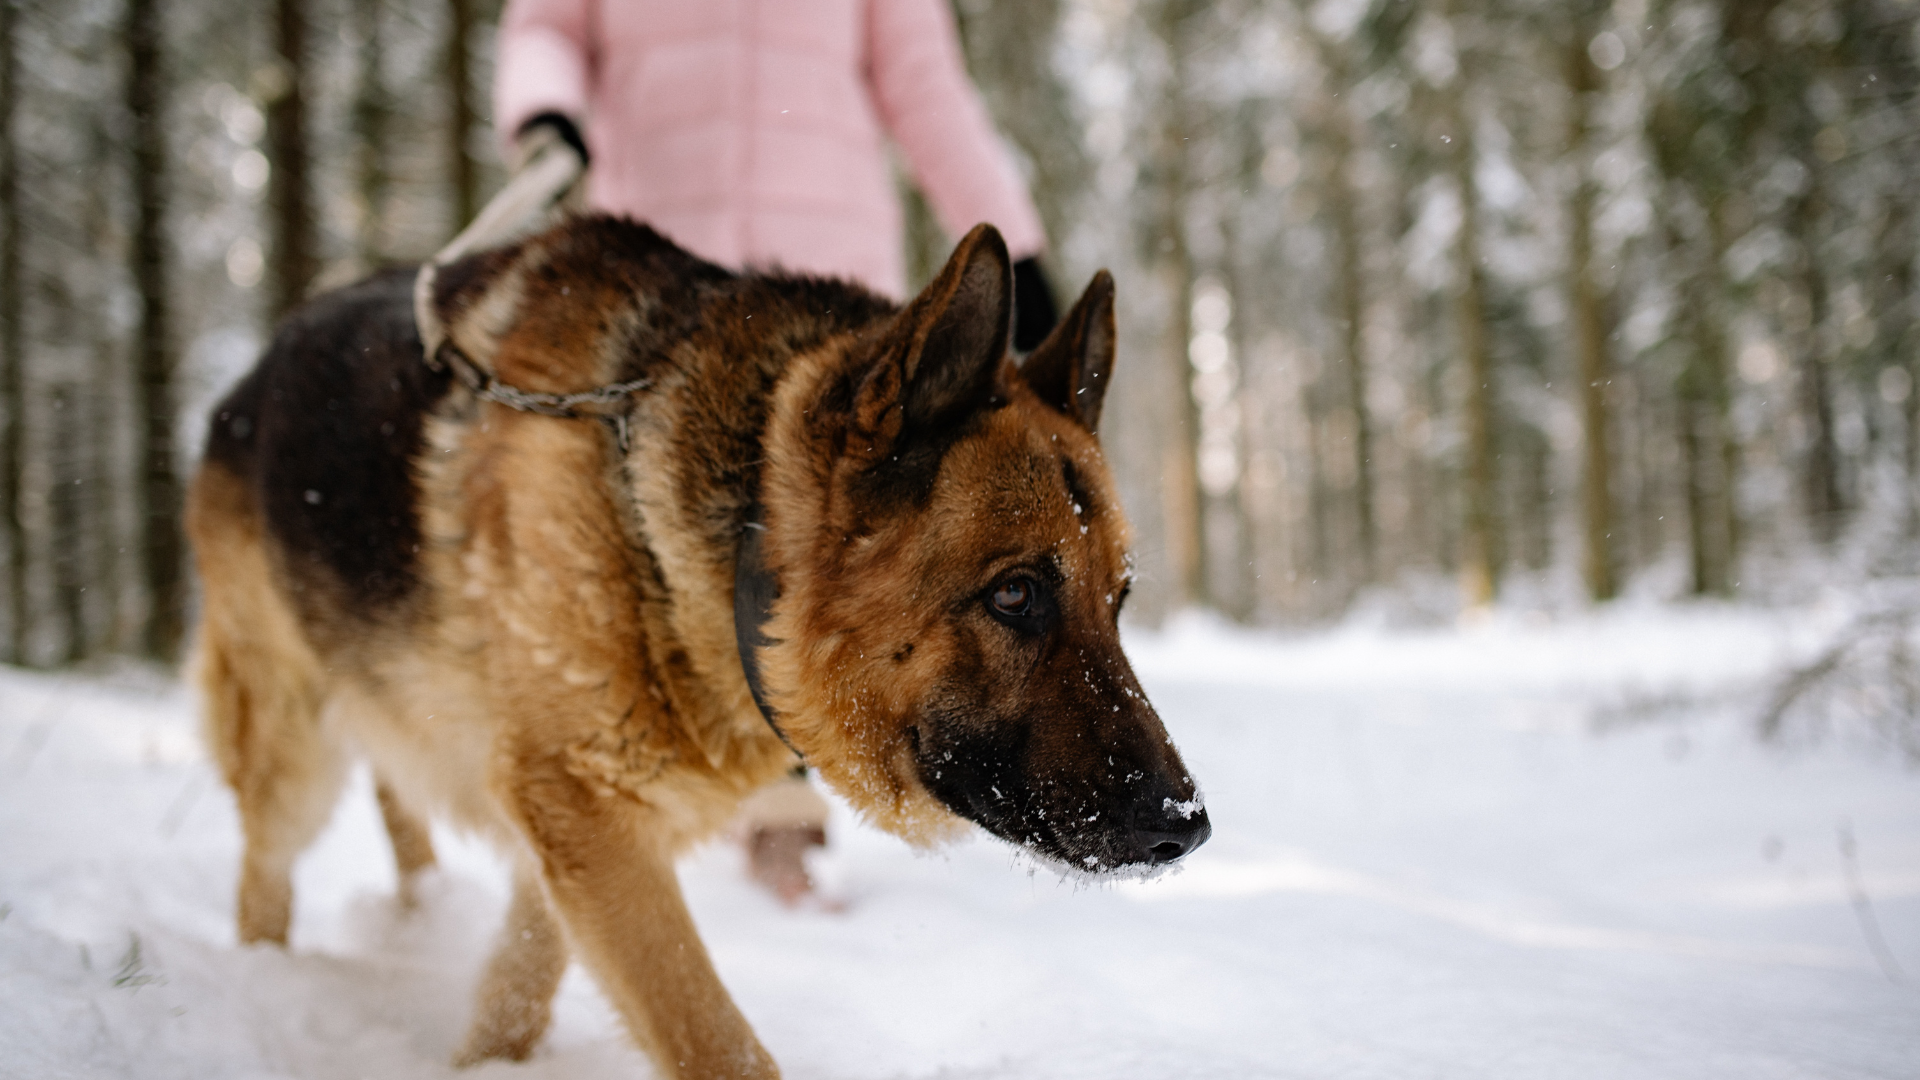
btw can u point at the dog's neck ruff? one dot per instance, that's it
(754, 590)
(754, 586)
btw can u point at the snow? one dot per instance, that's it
(1517, 849)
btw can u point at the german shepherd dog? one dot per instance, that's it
(810, 522)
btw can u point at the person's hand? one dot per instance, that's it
(1034, 314)
(546, 130)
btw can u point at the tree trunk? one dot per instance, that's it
(12, 343)
(1696, 438)
(159, 491)
(1322, 542)
(1230, 526)
(1703, 398)
(1820, 462)
(108, 488)
(1344, 196)
(96, 416)
(295, 260)
(1899, 350)
(372, 110)
(1180, 477)
(67, 516)
(462, 176)
(1479, 543)
(1597, 561)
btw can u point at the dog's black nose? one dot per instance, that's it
(1170, 830)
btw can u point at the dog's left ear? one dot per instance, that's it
(1069, 370)
(939, 360)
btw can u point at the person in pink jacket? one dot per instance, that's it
(755, 133)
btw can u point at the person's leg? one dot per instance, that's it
(778, 823)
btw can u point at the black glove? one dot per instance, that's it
(1033, 312)
(562, 126)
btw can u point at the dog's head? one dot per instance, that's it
(952, 559)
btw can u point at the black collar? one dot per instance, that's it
(755, 588)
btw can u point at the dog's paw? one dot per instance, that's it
(511, 1041)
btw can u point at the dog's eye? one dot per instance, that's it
(1021, 601)
(1013, 597)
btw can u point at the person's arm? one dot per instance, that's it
(931, 109)
(543, 71)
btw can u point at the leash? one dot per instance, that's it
(536, 195)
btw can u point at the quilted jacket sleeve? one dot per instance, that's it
(931, 109)
(543, 63)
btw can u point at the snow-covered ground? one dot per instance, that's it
(1510, 850)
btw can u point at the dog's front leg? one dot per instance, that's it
(613, 886)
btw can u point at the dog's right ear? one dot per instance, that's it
(1069, 370)
(937, 364)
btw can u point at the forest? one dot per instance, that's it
(1518, 411)
(1425, 305)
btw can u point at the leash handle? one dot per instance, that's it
(551, 173)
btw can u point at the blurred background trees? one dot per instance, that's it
(1426, 304)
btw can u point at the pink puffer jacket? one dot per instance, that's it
(750, 131)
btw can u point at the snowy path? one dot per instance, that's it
(1425, 864)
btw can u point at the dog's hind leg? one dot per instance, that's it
(263, 725)
(261, 691)
(412, 841)
(515, 999)
(286, 792)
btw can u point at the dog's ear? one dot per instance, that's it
(1069, 370)
(937, 363)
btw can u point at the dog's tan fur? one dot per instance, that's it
(563, 677)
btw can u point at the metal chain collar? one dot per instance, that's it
(565, 406)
